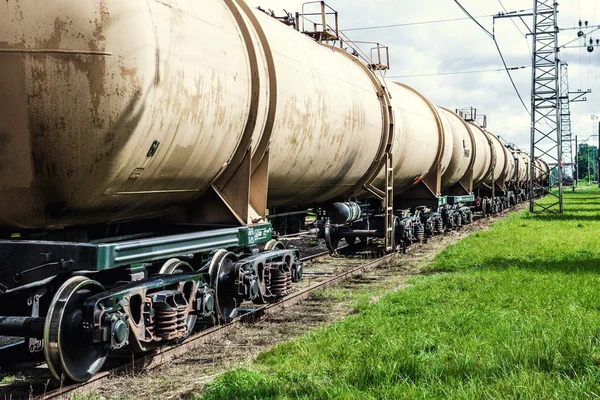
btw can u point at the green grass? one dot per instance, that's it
(513, 312)
(9, 379)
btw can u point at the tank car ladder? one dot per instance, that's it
(388, 203)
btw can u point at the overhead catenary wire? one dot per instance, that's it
(437, 21)
(460, 72)
(519, 29)
(490, 34)
(493, 37)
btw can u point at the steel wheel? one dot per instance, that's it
(274, 245)
(176, 266)
(222, 280)
(331, 238)
(66, 354)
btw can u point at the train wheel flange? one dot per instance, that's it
(66, 355)
(274, 245)
(176, 266)
(332, 239)
(221, 273)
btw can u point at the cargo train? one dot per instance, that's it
(150, 149)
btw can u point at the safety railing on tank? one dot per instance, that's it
(319, 30)
(469, 114)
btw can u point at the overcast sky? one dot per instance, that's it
(462, 46)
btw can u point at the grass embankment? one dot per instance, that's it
(516, 313)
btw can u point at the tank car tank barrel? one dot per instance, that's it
(32, 327)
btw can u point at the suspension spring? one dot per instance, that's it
(279, 284)
(439, 225)
(457, 220)
(170, 324)
(419, 232)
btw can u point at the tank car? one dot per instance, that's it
(151, 146)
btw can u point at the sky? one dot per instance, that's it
(458, 46)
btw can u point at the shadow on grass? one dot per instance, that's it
(569, 208)
(572, 205)
(569, 266)
(583, 195)
(564, 217)
(582, 261)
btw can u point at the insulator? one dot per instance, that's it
(580, 34)
(579, 22)
(590, 49)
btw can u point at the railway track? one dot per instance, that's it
(168, 353)
(317, 279)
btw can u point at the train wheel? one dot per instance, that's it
(332, 240)
(176, 266)
(66, 354)
(221, 281)
(274, 245)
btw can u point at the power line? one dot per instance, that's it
(473, 19)
(459, 72)
(510, 77)
(493, 37)
(519, 29)
(437, 21)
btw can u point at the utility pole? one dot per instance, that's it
(546, 133)
(588, 164)
(566, 98)
(565, 122)
(546, 138)
(598, 157)
(576, 161)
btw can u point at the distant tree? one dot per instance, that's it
(587, 155)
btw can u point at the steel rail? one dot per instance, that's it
(168, 353)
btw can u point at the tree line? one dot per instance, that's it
(587, 156)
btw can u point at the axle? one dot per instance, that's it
(32, 327)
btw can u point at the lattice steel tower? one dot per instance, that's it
(568, 167)
(546, 141)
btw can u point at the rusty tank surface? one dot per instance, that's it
(103, 119)
(512, 166)
(483, 155)
(463, 150)
(499, 166)
(98, 128)
(104, 129)
(422, 139)
(527, 162)
(521, 167)
(328, 118)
